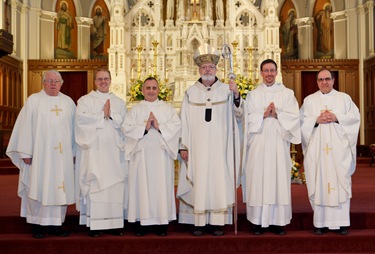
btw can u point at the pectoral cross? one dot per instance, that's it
(327, 149)
(325, 110)
(62, 186)
(330, 188)
(59, 147)
(57, 110)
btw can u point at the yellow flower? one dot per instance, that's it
(244, 85)
(295, 174)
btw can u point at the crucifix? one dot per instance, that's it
(59, 147)
(62, 186)
(326, 149)
(57, 110)
(330, 188)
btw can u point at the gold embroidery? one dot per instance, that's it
(330, 188)
(62, 186)
(57, 110)
(326, 149)
(59, 147)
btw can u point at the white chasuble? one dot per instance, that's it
(44, 131)
(206, 182)
(329, 152)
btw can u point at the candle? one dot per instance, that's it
(132, 73)
(166, 74)
(139, 27)
(250, 35)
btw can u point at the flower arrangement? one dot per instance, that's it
(165, 93)
(295, 173)
(244, 84)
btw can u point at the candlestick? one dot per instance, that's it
(155, 44)
(250, 50)
(139, 49)
(139, 27)
(250, 34)
(235, 44)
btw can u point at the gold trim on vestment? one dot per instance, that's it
(207, 210)
(205, 104)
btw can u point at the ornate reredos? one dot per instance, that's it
(180, 37)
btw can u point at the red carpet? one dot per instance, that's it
(15, 233)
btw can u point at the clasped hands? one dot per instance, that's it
(107, 110)
(270, 111)
(326, 117)
(152, 122)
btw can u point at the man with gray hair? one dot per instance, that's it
(42, 146)
(206, 182)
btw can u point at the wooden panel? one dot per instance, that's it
(37, 67)
(347, 70)
(10, 91)
(75, 84)
(369, 100)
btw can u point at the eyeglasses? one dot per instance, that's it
(324, 79)
(103, 79)
(269, 71)
(208, 67)
(51, 81)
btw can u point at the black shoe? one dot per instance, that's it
(116, 232)
(162, 230)
(94, 233)
(320, 231)
(278, 230)
(217, 231)
(257, 230)
(57, 231)
(139, 229)
(198, 231)
(37, 231)
(343, 231)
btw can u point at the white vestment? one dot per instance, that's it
(44, 131)
(100, 161)
(266, 160)
(206, 182)
(329, 156)
(151, 162)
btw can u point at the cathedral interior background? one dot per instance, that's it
(138, 38)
